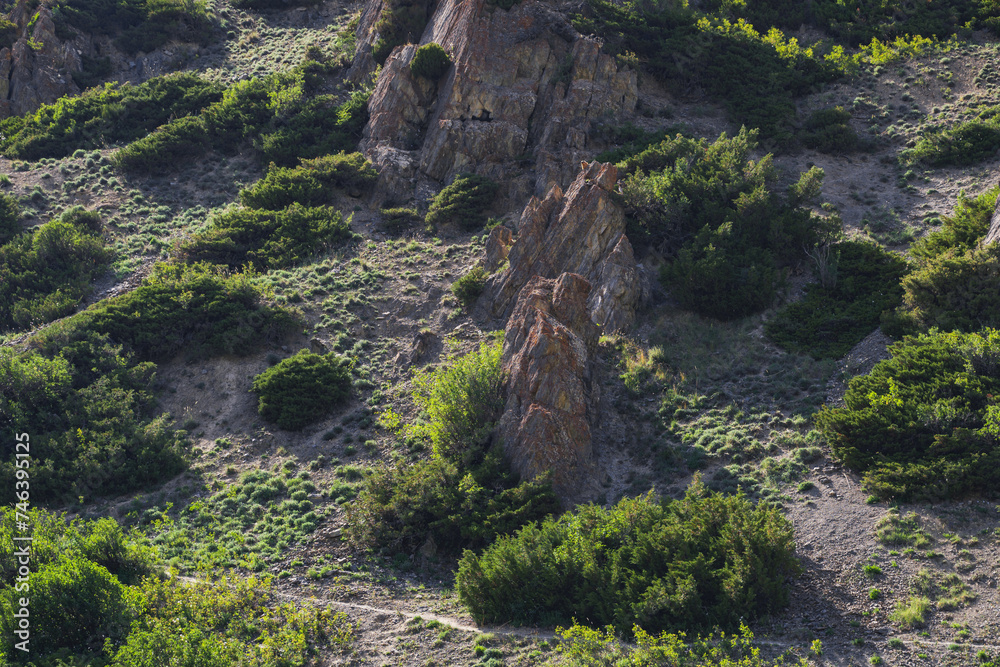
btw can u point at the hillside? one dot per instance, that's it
(482, 332)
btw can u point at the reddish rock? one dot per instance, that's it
(546, 354)
(583, 232)
(497, 246)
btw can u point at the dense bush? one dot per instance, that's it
(46, 272)
(858, 22)
(956, 284)
(107, 115)
(430, 61)
(463, 202)
(695, 563)
(316, 127)
(10, 214)
(401, 22)
(465, 494)
(711, 210)
(197, 309)
(266, 239)
(963, 144)
(310, 183)
(470, 286)
(136, 25)
(833, 318)
(397, 220)
(166, 146)
(830, 131)
(924, 424)
(302, 389)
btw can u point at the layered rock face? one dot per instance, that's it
(521, 96)
(38, 72)
(582, 232)
(547, 349)
(993, 233)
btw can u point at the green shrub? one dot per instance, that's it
(964, 144)
(136, 25)
(470, 286)
(830, 131)
(634, 140)
(92, 71)
(396, 220)
(858, 23)
(831, 319)
(316, 127)
(46, 272)
(689, 564)
(302, 389)
(465, 495)
(167, 146)
(922, 425)
(193, 308)
(10, 213)
(463, 202)
(310, 183)
(430, 61)
(106, 115)
(401, 22)
(266, 239)
(962, 230)
(271, 4)
(711, 211)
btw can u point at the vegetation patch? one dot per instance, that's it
(108, 115)
(924, 424)
(688, 564)
(401, 22)
(430, 61)
(465, 494)
(830, 131)
(712, 211)
(947, 591)
(463, 202)
(310, 183)
(303, 388)
(966, 143)
(896, 530)
(470, 286)
(858, 281)
(136, 25)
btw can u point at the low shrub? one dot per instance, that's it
(430, 61)
(10, 214)
(833, 318)
(465, 494)
(463, 202)
(711, 211)
(266, 239)
(963, 144)
(136, 25)
(689, 564)
(45, 273)
(922, 424)
(830, 131)
(315, 127)
(960, 231)
(106, 115)
(271, 4)
(470, 286)
(397, 220)
(309, 184)
(911, 613)
(165, 147)
(302, 389)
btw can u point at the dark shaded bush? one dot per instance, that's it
(465, 494)
(964, 144)
(319, 126)
(830, 131)
(271, 4)
(633, 140)
(398, 220)
(10, 213)
(197, 309)
(711, 210)
(856, 22)
(924, 424)
(302, 389)
(689, 564)
(168, 146)
(430, 61)
(463, 202)
(401, 22)
(45, 273)
(962, 230)
(831, 319)
(266, 239)
(310, 184)
(136, 25)
(469, 287)
(92, 71)
(107, 115)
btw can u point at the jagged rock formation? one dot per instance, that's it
(583, 232)
(993, 234)
(547, 348)
(36, 72)
(523, 92)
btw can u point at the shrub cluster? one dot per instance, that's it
(956, 284)
(401, 22)
(862, 282)
(465, 494)
(963, 144)
(310, 183)
(397, 220)
(924, 423)
(107, 115)
(430, 61)
(470, 286)
(137, 25)
(695, 563)
(830, 131)
(463, 202)
(302, 389)
(46, 271)
(857, 23)
(711, 210)
(94, 601)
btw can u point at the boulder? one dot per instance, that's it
(582, 232)
(497, 246)
(547, 351)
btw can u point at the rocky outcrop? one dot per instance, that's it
(547, 349)
(516, 106)
(993, 233)
(38, 68)
(582, 232)
(498, 247)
